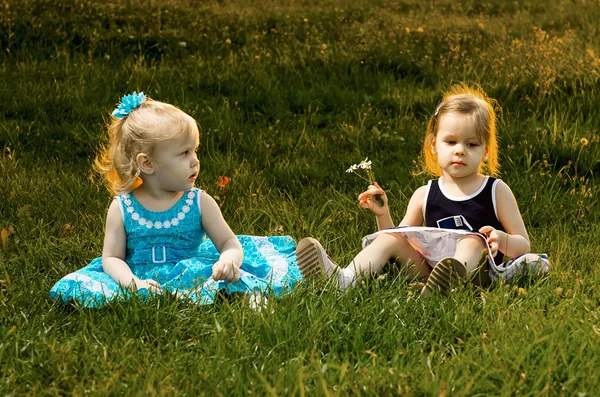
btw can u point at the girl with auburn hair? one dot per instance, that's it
(456, 228)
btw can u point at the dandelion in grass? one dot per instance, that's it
(364, 170)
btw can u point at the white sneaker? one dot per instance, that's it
(313, 261)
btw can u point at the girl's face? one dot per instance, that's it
(459, 150)
(175, 163)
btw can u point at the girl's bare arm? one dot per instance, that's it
(225, 241)
(113, 252)
(514, 240)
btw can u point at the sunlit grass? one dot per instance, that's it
(288, 94)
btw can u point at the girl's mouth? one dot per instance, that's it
(193, 177)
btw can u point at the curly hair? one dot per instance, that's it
(138, 132)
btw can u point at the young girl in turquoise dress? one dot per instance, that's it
(164, 235)
(471, 219)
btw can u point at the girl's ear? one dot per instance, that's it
(486, 155)
(433, 149)
(143, 161)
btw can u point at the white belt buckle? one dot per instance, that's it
(164, 255)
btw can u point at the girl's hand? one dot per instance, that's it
(225, 270)
(368, 199)
(494, 237)
(149, 284)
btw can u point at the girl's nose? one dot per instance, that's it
(195, 161)
(459, 149)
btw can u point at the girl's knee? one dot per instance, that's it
(384, 241)
(395, 239)
(471, 242)
(396, 244)
(388, 238)
(402, 253)
(469, 251)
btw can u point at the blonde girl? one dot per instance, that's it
(162, 233)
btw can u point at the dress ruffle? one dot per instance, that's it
(269, 267)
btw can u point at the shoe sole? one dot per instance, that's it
(311, 257)
(447, 274)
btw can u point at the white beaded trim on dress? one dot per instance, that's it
(158, 224)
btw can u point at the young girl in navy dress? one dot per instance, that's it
(156, 225)
(466, 213)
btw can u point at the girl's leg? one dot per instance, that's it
(472, 252)
(468, 252)
(313, 261)
(388, 247)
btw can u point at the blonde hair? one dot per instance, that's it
(138, 132)
(474, 103)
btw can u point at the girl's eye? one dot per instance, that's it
(185, 153)
(450, 142)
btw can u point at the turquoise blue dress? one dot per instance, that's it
(171, 248)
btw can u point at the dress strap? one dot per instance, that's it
(495, 182)
(425, 199)
(120, 202)
(200, 191)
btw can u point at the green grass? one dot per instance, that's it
(288, 94)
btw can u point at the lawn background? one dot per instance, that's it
(288, 94)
